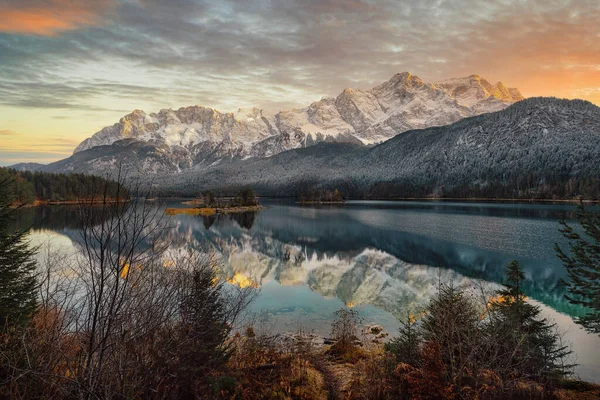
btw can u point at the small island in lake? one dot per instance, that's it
(208, 204)
(317, 196)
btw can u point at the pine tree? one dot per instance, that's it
(406, 347)
(452, 322)
(583, 266)
(17, 266)
(527, 343)
(209, 199)
(337, 195)
(248, 198)
(204, 330)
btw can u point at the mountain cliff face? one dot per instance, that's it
(196, 136)
(551, 138)
(474, 89)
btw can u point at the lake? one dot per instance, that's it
(383, 258)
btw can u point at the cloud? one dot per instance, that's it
(7, 132)
(10, 157)
(52, 145)
(48, 18)
(278, 54)
(93, 61)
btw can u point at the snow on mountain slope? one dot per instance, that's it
(471, 90)
(553, 138)
(199, 136)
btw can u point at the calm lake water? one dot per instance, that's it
(383, 258)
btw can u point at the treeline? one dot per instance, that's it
(526, 186)
(243, 198)
(312, 195)
(523, 187)
(24, 187)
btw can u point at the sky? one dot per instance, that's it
(69, 68)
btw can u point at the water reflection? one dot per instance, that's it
(380, 257)
(364, 252)
(244, 220)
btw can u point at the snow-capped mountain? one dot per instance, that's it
(196, 135)
(550, 139)
(474, 89)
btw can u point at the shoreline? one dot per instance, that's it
(38, 203)
(230, 210)
(449, 199)
(208, 211)
(484, 200)
(320, 202)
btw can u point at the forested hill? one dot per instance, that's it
(25, 187)
(536, 148)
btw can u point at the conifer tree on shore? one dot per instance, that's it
(17, 266)
(583, 266)
(531, 344)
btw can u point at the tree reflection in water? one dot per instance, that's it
(244, 219)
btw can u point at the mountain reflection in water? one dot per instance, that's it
(383, 258)
(379, 253)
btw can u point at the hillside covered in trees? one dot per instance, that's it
(26, 187)
(536, 148)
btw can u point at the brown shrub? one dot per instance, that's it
(262, 369)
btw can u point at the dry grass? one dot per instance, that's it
(577, 390)
(346, 353)
(191, 211)
(263, 370)
(262, 367)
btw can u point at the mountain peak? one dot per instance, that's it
(197, 135)
(471, 90)
(404, 77)
(399, 80)
(136, 114)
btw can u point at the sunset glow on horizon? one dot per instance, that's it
(68, 69)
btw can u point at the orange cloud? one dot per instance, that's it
(50, 18)
(553, 54)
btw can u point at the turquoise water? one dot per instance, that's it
(383, 258)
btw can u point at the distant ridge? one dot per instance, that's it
(27, 166)
(172, 141)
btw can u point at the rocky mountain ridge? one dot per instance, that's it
(199, 136)
(531, 144)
